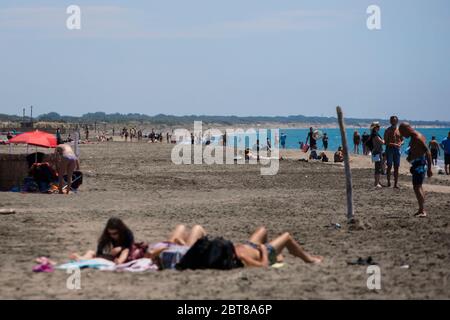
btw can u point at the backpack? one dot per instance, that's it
(217, 253)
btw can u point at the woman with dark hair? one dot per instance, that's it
(115, 243)
(377, 152)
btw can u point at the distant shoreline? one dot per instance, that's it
(52, 125)
(163, 121)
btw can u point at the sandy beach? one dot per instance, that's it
(138, 183)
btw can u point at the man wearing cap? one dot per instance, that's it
(420, 158)
(394, 142)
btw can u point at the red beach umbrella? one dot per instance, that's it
(36, 138)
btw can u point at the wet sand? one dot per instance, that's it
(139, 183)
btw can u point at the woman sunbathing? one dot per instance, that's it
(258, 252)
(114, 244)
(168, 253)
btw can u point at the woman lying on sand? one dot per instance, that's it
(168, 253)
(114, 244)
(258, 252)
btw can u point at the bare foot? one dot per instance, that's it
(422, 214)
(74, 256)
(315, 259)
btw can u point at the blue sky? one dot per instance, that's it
(227, 57)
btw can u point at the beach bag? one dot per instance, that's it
(305, 148)
(217, 253)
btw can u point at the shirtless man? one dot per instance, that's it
(394, 142)
(258, 252)
(435, 150)
(420, 158)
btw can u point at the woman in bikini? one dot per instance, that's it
(258, 252)
(66, 163)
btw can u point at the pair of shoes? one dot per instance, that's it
(363, 262)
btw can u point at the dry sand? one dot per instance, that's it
(138, 183)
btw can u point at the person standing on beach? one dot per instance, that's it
(356, 141)
(445, 145)
(365, 137)
(283, 140)
(312, 139)
(435, 150)
(420, 158)
(58, 136)
(394, 143)
(325, 141)
(377, 151)
(152, 135)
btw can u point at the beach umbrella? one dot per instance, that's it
(36, 138)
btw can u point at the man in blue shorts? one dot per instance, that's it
(394, 142)
(420, 158)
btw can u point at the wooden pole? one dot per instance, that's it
(348, 173)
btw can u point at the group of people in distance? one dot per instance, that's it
(117, 244)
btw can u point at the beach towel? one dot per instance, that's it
(138, 265)
(96, 263)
